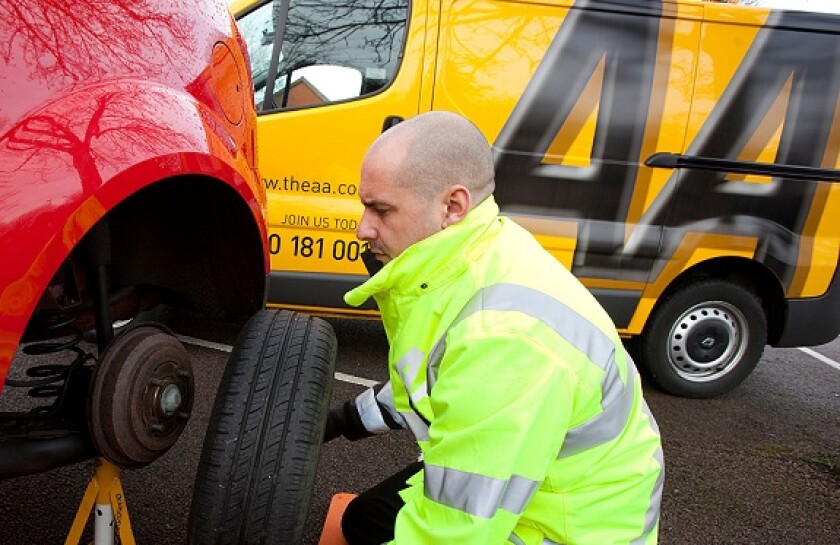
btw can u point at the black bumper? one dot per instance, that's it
(813, 321)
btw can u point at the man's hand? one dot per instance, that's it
(332, 430)
(345, 420)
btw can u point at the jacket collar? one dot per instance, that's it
(431, 262)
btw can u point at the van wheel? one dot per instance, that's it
(257, 468)
(703, 339)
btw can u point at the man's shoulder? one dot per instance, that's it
(529, 276)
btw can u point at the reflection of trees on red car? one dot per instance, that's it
(129, 192)
(126, 180)
(100, 99)
(116, 125)
(62, 44)
(123, 36)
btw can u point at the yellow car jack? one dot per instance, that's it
(105, 496)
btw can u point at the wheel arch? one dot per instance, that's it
(196, 239)
(748, 273)
(109, 143)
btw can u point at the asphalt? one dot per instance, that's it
(758, 465)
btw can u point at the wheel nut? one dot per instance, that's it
(170, 399)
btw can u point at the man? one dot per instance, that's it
(527, 409)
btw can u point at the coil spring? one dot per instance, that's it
(51, 380)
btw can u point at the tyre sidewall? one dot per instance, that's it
(653, 347)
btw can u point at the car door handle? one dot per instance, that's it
(390, 121)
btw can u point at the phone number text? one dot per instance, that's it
(316, 247)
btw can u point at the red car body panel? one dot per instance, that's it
(99, 100)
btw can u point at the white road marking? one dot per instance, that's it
(355, 380)
(205, 344)
(343, 377)
(826, 360)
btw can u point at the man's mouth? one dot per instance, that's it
(378, 254)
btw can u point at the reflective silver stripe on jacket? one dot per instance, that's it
(653, 510)
(478, 495)
(617, 405)
(416, 424)
(385, 398)
(616, 396)
(407, 368)
(370, 406)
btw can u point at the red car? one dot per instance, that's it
(127, 182)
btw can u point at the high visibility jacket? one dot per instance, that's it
(527, 409)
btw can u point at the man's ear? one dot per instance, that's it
(458, 201)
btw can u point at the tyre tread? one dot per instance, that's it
(257, 467)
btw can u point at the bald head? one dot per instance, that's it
(436, 150)
(419, 178)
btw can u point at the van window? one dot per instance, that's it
(331, 51)
(257, 30)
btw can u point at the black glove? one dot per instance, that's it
(331, 431)
(345, 420)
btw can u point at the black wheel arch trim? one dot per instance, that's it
(314, 289)
(813, 321)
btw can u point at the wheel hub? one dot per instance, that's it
(707, 343)
(170, 399)
(141, 396)
(707, 340)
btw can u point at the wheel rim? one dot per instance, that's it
(707, 341)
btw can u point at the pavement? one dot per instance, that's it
(758, 465)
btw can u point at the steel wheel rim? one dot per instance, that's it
(707, 341)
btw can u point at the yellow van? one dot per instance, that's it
(678, 156)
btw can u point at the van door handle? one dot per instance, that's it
(390, 121)
(793, 172)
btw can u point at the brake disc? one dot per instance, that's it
(141, 396)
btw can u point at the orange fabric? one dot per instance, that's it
(331, 534)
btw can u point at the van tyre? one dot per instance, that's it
(257, 467)
(703, 339)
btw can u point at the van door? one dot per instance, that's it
(329, 77)
(763, 129)
(575, 96)
(745, 212)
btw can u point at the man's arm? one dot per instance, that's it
(370, 413)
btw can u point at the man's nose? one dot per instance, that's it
(365, 230)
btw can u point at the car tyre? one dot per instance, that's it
(703, 339)
(257, 467)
